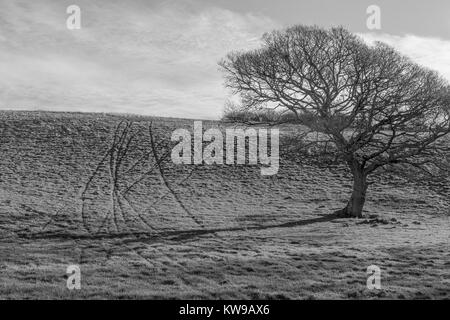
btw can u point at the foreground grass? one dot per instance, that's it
(261, 237)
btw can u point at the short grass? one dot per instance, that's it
(257, 237)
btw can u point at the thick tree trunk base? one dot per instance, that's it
(346, 213)
(355, 205)
(354, 208)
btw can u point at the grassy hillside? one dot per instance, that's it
(203, 231)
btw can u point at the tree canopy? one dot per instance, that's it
(375, 105)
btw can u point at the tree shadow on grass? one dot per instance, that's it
(176, 235)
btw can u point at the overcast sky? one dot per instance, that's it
(160, 57)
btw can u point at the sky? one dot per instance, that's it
(160, 57)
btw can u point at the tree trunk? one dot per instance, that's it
(356, 203)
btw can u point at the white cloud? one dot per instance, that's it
(136, 57)
(433, 53)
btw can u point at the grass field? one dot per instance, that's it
(217, 232)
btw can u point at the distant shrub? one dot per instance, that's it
(234, 113)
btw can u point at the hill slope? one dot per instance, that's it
(214, 232)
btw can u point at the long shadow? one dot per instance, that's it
(178, 235)
(188, 234)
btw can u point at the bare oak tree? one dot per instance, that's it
(376, 107)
